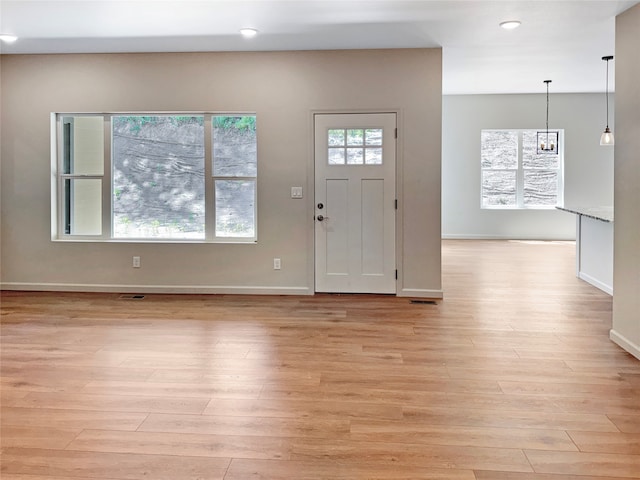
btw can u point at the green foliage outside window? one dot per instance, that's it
(239, 123)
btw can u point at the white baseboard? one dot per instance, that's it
(625, 343)
(420, 293)
(596, 283)
(189, 289)
(473, 236)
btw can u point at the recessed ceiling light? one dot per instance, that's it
(7, 38)
(510, 24)
(248, 32)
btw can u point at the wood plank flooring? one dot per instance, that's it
(511, 377)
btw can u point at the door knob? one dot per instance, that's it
(320, 218)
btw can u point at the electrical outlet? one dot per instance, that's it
(276, 264)
(136, 262)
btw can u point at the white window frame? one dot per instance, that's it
(520, 205)
(58, 178)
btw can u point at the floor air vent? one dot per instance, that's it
(131, 297)
(424, 302)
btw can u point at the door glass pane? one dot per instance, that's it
(373, 136)
(355, 156)
(83, 145)
(336, 137)
(336, 156)
(83, 206)
(158, 177)
(235, 146)
(235, 208)
(355, 137)
(373, 156)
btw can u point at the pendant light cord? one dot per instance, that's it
(607, 58)
(607, 96)
(548, 111)
(547, 136)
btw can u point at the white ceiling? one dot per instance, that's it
(559, 40)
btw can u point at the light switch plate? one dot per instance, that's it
(296, 192)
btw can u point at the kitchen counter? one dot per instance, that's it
(604, 214)
(594, 245)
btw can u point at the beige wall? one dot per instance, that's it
(284, 89)
(626, 269)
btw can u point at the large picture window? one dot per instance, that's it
(145, 176)
(514, 175)
(158, 177)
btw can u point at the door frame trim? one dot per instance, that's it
(311, 181)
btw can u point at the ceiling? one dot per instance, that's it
(559, 40)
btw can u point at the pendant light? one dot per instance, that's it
(607, 135)
(547, 141)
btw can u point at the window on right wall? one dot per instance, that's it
(514, 175)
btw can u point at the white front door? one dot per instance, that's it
(355, 203)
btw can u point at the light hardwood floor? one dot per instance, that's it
(511, 377)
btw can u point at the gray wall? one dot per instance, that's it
(588, 168)
(283, 88)
(626, 263)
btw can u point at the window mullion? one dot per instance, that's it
(59, 181)
(520, 172)
(65, 176)
(107, 185)
(209, 184)
(560, 170)
(229, 177)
